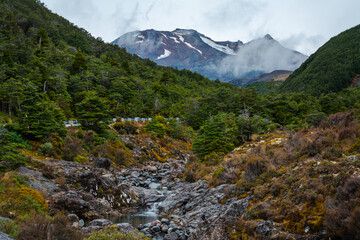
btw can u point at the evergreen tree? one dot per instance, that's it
(216, 135)
(40, 119)
(91, 111)
(42, 38)
(79, 63)
(10, 156)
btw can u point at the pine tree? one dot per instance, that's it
(79, 63)
(42, 38)
(91, 111)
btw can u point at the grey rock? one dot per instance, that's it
(198, 208)
(264, 227)
(171, 236)
(4, 236)
(125, 227)
(38, 182)
(89, 229)
(156, 228)
(81, 222)
(100, 222)
(135, 174)
(102, 163)
(164, 228)
(4, 220)
(72, 218)
(165, 221)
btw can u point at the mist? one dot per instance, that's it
(259, 56)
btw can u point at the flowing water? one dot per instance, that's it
(143, 216)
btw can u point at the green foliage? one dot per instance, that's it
(248, 125)
(156, 127)
(18, 199)
(218, 135)
(46, 148)
(223, 132)
(10, 145)
(218, 171)
(40, 119)
(263, 88)
(79, 63)
(91, 111)
(179, 131)
(111, 232)
(80, 159)
(331, 68)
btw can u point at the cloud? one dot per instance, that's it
(314, 22)
(302, 42)
(257, 57)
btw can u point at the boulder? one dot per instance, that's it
(79, 202)
(4, 236)
(72, 218)
(199, 209)
(102, 163)
(100, 222)
(264, 227)
(38, 182)
(125, 227)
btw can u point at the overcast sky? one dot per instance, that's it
(303, 25)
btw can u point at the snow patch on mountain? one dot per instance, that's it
(175, 40)
(224, 49)
(165, 55)
(191, 46)
(180, 37)
(141, 37)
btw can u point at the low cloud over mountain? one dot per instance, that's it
(226, 60)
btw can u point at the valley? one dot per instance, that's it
(144, 138)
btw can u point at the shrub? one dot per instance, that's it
(46, 148)
(72, 148)
(57, 143)
(218, 172)
(342, 216)
(80, 159)
(309, 148)
(217, 135)
(256, 166)
(89, 138)
(113, 150)
(125, 127)
(111, 232)
(10, 156)
(16, 198)
(315, 118)
(354, 149)
(156, 128)
(179, 131)
(43, 227)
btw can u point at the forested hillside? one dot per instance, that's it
(48, 61)
(331, 68)
(290, 160)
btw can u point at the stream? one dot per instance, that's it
(145, 214)
(153, 185)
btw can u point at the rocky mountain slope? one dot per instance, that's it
(225, 60)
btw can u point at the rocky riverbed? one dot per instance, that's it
(153, 198)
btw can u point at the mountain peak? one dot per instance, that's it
(268, 37)
(224, 60)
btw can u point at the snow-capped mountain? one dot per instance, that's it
(227, 60)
